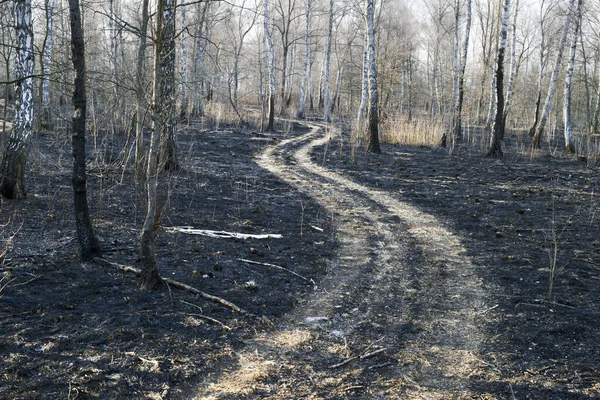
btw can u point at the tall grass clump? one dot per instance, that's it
(414, 132)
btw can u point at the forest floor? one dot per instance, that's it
(416, 273)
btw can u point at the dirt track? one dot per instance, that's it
(382, 301)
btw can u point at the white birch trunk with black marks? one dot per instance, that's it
(271, 66)
(373, 110)
(183, 105)
(200, 40)
(364, 93)
(163, 110)
(326, 94)
(568, 132)
(47, 65)
(140, 95)
(306, 70)
(513, 61)
(535, 143)
(12, 184)
(498, 125)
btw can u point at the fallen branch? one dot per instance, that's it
(278, 267)
(361, 357)
(176, 284)
(205, 317)
(221, 234)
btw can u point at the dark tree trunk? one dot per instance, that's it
(85, 234)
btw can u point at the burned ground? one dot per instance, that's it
(86, 330)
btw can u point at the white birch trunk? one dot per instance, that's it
(328, 64)
(113, 45)
(492, 101)
(568, 80)
(12, 184)
(198, 73)
(498, 125)
(513, 61)
(305, 71)
(271, 66)
(373, 111)
(183, 66)
(549, 98)
(364, 93)
(455, 58)
(47, 63)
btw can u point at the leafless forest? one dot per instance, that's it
(299, 199)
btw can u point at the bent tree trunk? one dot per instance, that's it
(163, 109)
(88, 242)
(12, 185)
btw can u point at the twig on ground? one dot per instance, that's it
(207, 318)
(278, 267)
(361, 357)
(176, 284)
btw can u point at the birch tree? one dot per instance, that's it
(183, 104)
(47, 64)
(364, 92)
(163, 125)
(568, 129)
(535, 143)
(373, 110)
(12, 183)
(200, 41)
(140, 94)
(459, 70)
(271, 66)
(327, 99)
(306, 70)
(498, 126)
(545, 12)
(168, 87)
(287, 12)
(513, 61)
(88, 243)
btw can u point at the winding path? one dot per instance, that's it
(401, 293)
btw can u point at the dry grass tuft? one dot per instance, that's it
(416, 132)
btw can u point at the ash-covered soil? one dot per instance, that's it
(73, 330)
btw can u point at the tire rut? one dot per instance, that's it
(400, 289)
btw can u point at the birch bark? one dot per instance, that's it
(535, 143)
(12, 184)
(47, 65)
(271, 66)
(163, 118)
(498, 126)
(513, 61)
(373, 111)
(183, 105)
(364, 93)
(568, 130)
(306, 70)
(327, 104)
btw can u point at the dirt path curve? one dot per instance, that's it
(398, 315)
